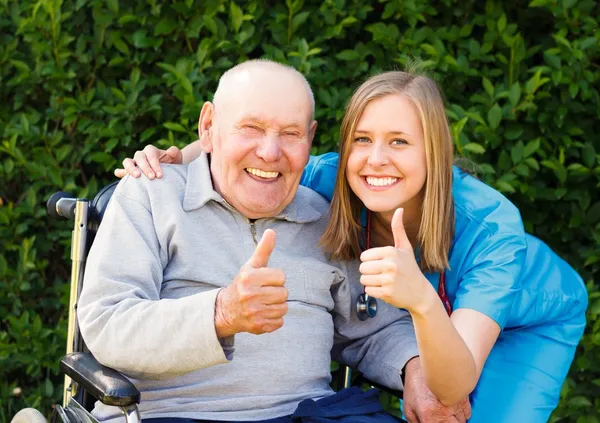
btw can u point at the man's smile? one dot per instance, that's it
(263, 174)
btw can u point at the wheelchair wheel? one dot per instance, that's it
(29, 415)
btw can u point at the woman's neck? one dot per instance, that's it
(381, 227)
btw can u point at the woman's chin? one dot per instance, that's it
(377, 207)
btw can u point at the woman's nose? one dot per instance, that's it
(378, 156)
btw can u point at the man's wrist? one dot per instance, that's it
(222, 326)
(411, 367)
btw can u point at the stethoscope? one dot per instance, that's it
(366, 306)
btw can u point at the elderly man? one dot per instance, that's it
(207, 287)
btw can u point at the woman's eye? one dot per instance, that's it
(362, 140)
(399, 141)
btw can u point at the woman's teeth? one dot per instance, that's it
(262, 173)
(380, 182)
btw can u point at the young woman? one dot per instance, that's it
(511, 312)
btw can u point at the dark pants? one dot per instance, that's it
(347, 406)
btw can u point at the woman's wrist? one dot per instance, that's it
(429, 301)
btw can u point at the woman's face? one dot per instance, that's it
(387, 166)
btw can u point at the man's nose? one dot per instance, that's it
(378, 156)
(269, 148)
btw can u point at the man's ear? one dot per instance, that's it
(205, 124)
(311, 131)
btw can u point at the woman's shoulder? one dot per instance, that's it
(319, 174)
(478, 204)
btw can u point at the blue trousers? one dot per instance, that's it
(350, 405)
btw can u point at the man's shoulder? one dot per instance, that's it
(149, 193)
(306, 197)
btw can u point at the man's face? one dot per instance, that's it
(260, 142)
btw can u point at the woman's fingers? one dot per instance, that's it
(374, 267)
(130, 167)
(141, 161)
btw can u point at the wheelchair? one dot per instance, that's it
(86, 380)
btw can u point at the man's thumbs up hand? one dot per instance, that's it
(263, 250)
(392, 273)
(255, 302)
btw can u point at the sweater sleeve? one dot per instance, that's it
(378, 347)
(124, 321)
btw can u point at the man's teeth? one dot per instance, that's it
(262, 173)
(380, 182)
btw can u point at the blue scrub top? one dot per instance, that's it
(495, 267)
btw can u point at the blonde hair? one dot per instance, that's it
(343, 235)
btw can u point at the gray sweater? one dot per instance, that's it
(161, 254)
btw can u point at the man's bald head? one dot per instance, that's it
(257, 72)
(258, 131)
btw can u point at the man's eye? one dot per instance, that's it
(291, 134)
(362, 140)
(251, 128)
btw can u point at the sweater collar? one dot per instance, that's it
(199, 191)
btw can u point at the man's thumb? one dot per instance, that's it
(400, 237)
(263, 251)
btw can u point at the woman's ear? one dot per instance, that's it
(205, 124)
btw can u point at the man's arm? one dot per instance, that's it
(379, 347)
(123, 320)
(421, 405)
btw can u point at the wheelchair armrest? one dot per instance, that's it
(106, 385)
(360, 380)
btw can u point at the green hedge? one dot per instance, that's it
(85, 83)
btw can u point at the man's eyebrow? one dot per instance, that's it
(296, 124)
(254, 118)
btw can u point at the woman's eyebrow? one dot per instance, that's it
(361, 131)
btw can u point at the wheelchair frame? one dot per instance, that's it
(84, 376)
(86, 379)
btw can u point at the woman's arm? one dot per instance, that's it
(191, 152)
(148, 160)
(452, 350)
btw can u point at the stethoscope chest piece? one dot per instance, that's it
(366, 307)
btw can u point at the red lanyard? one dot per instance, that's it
(442, 284)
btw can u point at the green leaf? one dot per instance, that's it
(505, 187)
(488, 87)
(502, 23)
(495, 116)
(165, 26)
(348, 55)
(514, 94)
(517, 152)
(175, 127)
(299, 19)
(588, 42)
(588, 155)
(512, 133)
(113, 5)
(573, 90)
(538, 3)
(552, 60)
(474, 148)
(531, 147)
(236, 16)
